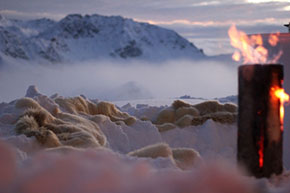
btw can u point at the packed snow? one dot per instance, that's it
(134, 155)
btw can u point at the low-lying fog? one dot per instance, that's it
(120, 81)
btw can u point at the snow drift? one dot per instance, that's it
(96, 147)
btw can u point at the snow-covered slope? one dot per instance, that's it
(78, 38)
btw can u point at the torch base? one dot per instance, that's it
(259, 128)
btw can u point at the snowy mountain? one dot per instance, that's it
(79, 38)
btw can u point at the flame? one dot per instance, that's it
(257, 39)
(236, 56)
(283, 97)
(261, 151)
(280, 95)
(250, 48)
(273, 39)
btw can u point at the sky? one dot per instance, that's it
(205, 23)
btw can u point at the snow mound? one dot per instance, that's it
(81, 123)
(183, 114)
(82, 145)
(32, 91)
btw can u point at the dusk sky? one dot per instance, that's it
(205, 23)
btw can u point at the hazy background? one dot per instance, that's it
(205, 23)
(120, 81)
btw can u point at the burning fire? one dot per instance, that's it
(261, 151)
(250, 48)
(283, 97)
(273, 39)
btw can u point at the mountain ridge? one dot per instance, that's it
(78, 38)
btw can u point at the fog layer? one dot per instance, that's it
(120, 81)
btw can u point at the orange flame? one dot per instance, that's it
(283, 97)
(250, 48)
(273, 39)
(236, 56)
(261, 151)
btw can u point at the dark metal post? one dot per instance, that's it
(259, 129)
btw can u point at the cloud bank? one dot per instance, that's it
(111, 81)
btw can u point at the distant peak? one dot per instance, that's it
(93, 15)
(79, 16)
(41, 20)
(74, 16)
(32, 91)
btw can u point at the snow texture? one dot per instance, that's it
(27, 166)
(105, 171)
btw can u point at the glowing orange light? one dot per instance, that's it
(257, 39)
(236, 56)
(261, 151)
(273, 39)
(283, 97)
(250, 48)
(263, 53)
